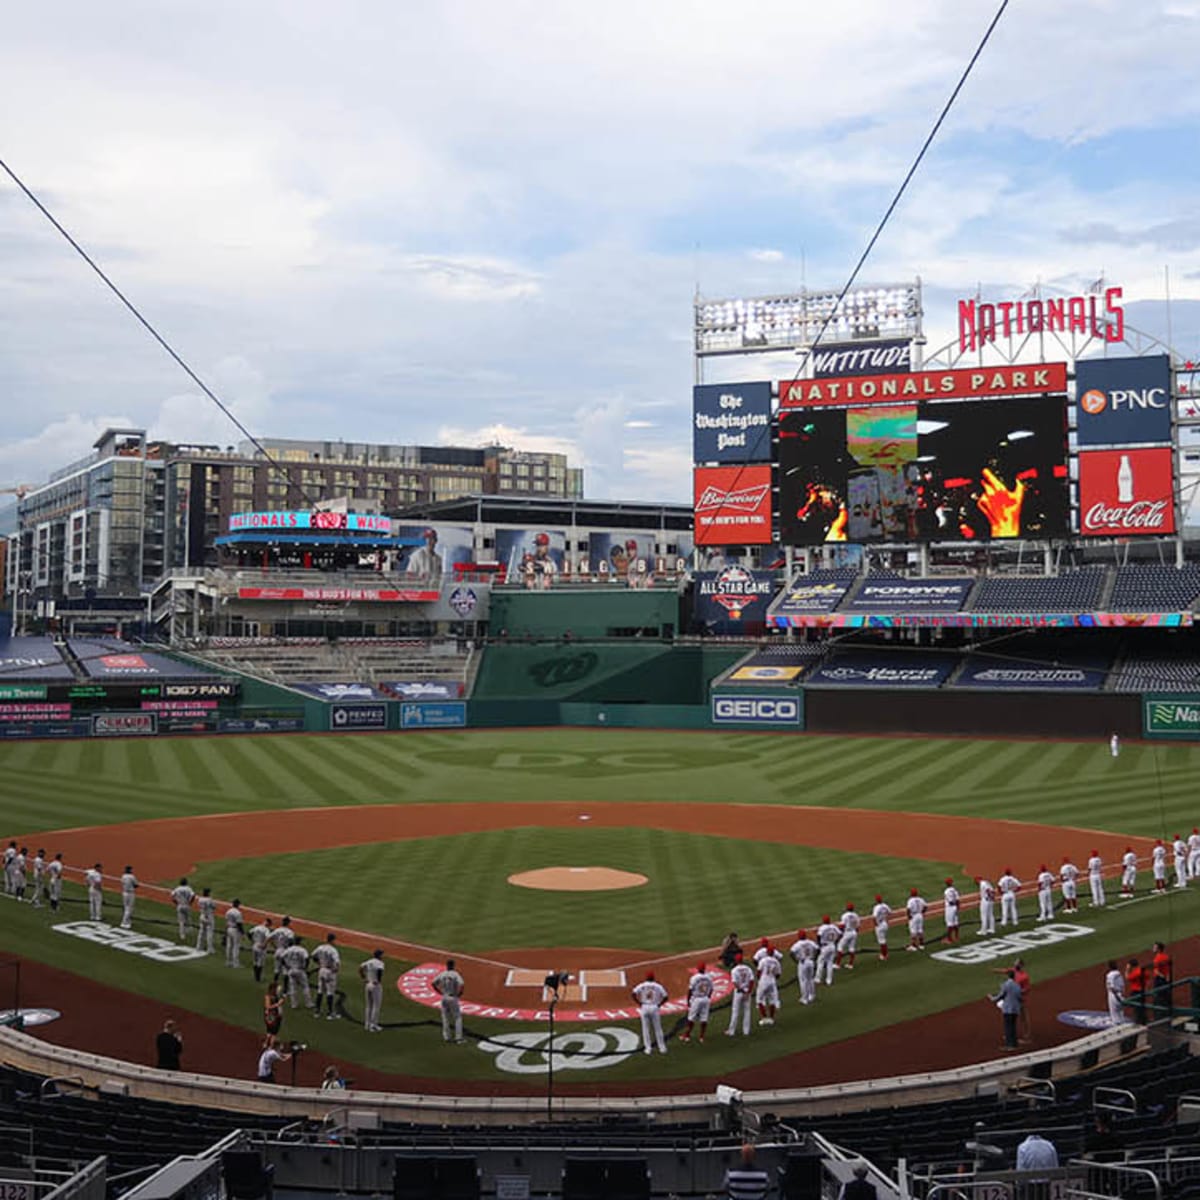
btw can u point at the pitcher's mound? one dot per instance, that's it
(578, 879)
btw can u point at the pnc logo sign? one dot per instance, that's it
(756, 710)
(1093, 402)
(1124, 401)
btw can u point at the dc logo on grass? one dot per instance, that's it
(579, 1050)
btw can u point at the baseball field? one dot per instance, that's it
(410, 842)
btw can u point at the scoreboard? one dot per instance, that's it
(87, 697)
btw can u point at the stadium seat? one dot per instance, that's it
(800, 1177)
(247, 1177)
(605, 1179)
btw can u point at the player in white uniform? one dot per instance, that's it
(39, 878)
(881, 914)
(450, 986)
(1114, 990)
(1009, 886)
(371, 973)
(987, 907)
(1095, 869)
(95, 891)
(952, 908)
(650, 995)
(1193, 859)
(700, 990)
(766, 996)
(281, 939)
(1129, 865)
(235, 922)
(1179, 847)
(19, 872)
(916, 907)
(295, 962)
(129, 884)
(10, 852)
(1158, 864)
(54, 872)
(1069, 876)
(260, 937)
(742, 978)
(828, 935)
(847, 947)
(1114, 745)
(184, 896)
(804, 951)
(206, 906)
(1045, 884)
(329, 963)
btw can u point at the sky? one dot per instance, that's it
(468, 222)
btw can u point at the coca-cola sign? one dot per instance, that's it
(1126, 493)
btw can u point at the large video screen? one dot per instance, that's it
(927, 471)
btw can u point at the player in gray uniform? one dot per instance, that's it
(295, 963)
(95, 890)
(19, 873)
(260, 936)
(10, 852)
(450, 986)
(129, 883)
(207, 908)
(329, 963)
(371, 973)
(54, 871)
(39, 878)
(184, 897)
(234, 924)
(281, 939)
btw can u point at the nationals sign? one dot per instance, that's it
(1126, 493)
(974, 383)
(733, 505)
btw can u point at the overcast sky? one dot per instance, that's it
(460, 221)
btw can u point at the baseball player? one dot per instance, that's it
(206, 906)
(764, 948)
(847, 946)
(10, 852)
(828, 936)
(1009, 886)
(542, 566)
(94, 880)
(1114, 745)
(1095, 869)
(129, 883)
(235, 922)
(450, 986)
(295, 963)
(184, 897)
(804, 951)
(987, 907)
(700, 990)
(766, 996)
(1180, 850)
(54, 872)
(281, 939)
(1193, 860)
(329, 963)
(742, 977)
(371, 973)
(19, 873)
(952, 910)
(1114, 990)
(1069, 875)
(260, 937)
(1045, 886)
(39, 878)
(881, 914)
(1158, 864)
(1129, 865)
(649, 996)
(916, 907)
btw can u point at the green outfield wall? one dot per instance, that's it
(593, 612)
(1172, 716)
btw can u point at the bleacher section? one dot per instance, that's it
(1157, 673)
(1154, 588)
(1073, 591)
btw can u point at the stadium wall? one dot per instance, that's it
(584, 612)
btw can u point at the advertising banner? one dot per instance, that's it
(358, 716)
(34, 712)
(861, 670)
(1171, 716)
(731, 422)
(862, 358)
(971, 383)
(804, 597)
(727, 600)
(416, 595)
(1123, 401)
(22, 691)
(531, 552)
(434, 553)
(277, 521)
(620, 553)
(1126, 493)
(124, 724)
(338, 691)
(31, 658)
(925, 472)
(113, 659)
(944, 595)
(733, 506)
(983, 620)
(765, 673)
(45, 729)
(1013, 673)
(261, 724)
(433, 716)
(425, 689)
(766, 711)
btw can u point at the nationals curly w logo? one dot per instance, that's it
(552, 672)
(578, 1050)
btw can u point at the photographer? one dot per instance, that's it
(271, 1054)
(553, 984)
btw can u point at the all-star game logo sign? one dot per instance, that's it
(735, 589)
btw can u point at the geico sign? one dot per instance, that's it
(756, 710)
(125, 939)
(1012, 944)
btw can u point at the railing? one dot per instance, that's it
(1113, 1180)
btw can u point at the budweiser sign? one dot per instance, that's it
(733, 505)
(745, 500)
(1126, 493)
(1145, 516)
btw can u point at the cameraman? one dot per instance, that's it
(271, 1054)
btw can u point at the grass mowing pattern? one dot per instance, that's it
(699, 887)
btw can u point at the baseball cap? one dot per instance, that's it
(878, 898)
(913, 892)
(701, 967)
(949, 880)
(649, 975)
(800, 935)
(542, 539)
(631, 545)
(849, 905)
(429, 533)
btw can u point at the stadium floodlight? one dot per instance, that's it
(758, 324)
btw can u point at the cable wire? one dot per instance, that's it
(158, 337)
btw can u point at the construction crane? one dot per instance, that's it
(18, 491)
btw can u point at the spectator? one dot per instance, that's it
(271, 1054)
(730, 951)
(1008, 1000)
(169, 1046)
(858, 1188)
(746, 1182)
(1035, 1153)
(331, 1081)
(1160, 980)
